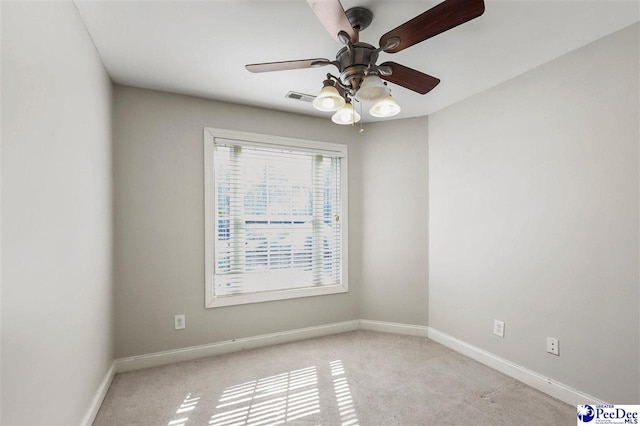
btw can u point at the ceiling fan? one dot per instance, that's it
(360, 77)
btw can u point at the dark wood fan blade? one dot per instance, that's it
(443, 17)
(410, 78)
(332, 17)
(287, 65)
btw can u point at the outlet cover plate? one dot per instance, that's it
(553, 346)
(498, 328)
(179, 322)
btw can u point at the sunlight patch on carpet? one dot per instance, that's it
(271, 400)
(188, 404)
(347, 411)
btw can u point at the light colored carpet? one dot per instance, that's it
(358, 378)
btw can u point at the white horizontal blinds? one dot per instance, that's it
(277, 219)
(326, 230)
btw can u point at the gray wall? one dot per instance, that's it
(159, 223)
(56, 215)
(395, 205)
(534, 194)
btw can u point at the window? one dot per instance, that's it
(275, 218)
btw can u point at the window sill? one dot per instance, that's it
(267, 296)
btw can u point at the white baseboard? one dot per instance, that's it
(96, 402)
(544, 384)
(203, 351)
(394, 327)
(551, 387)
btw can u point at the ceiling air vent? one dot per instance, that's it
(300, 97)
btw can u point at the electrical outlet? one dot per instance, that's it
(179, 322)
(553, 346)
(498, 328)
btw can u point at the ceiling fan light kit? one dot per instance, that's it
(371, 89)
(329, 98)
(360, 78)
(385, 107)
(346, 115)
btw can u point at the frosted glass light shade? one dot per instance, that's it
(346, 115)
(385, 107)
(328, 100)
(372, 89)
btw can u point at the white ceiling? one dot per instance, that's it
(200, 48)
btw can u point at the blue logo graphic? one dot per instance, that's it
(586, 413)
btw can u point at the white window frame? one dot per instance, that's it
(210, 136)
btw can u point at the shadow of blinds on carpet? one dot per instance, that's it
(283, 398)
(189, 403)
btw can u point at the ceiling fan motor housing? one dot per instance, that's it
(353, 62)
